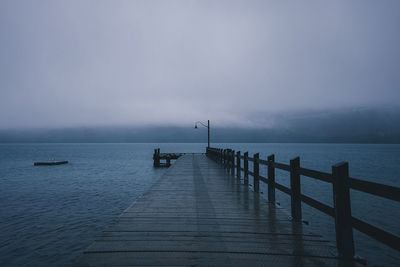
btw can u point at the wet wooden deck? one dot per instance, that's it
(198, 214)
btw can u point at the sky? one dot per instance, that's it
(113, 63)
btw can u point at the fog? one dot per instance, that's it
(163, 63)
(334, 126)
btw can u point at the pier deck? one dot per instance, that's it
(198, 214)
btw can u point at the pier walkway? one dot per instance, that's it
(199, 214)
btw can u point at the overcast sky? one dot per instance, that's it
(98, 63)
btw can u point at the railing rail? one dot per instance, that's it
(339, 178)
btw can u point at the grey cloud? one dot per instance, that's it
(110, 63)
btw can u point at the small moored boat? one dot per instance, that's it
(50, 163)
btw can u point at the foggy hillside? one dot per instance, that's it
(349, 126)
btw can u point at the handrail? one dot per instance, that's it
(382, 236)
(341, 182)
(323, 176)
(385, 191)
(280, 166)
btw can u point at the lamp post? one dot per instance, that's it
(208, 128)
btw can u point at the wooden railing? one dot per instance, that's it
(339, 178)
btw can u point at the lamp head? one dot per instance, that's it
(195, 126)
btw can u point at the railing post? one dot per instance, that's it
(232, 156)
(246, 168)
(256, 170)
(238, 171)
(271, 178)
(341, 200)
(226, 159)
(229, 160)
(295, 188)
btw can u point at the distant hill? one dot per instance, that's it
(350, 126)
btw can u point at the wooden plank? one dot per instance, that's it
(215, 244)
(173, 258)
(198, 214)
(169, 235)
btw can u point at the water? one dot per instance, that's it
(49, 214)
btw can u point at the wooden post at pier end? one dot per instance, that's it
(341, 200)
(168, 161)
(156, 157)
(295, 188)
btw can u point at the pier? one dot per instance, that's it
(202, 212)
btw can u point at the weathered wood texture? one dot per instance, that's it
(198, 214)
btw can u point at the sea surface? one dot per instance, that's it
(49, 214)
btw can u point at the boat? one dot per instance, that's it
(50, 163)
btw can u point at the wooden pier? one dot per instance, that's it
(200, 214)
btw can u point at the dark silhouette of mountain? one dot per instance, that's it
(350, 126)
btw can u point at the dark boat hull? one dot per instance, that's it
(50, 163)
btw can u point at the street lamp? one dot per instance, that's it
(208, 128)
